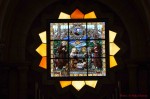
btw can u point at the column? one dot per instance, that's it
(13, 83)
(23, 83)
(132, 69)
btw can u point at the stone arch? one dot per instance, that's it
(13, 31)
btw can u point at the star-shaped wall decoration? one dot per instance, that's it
(77, 14)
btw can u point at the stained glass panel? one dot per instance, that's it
(77, 49)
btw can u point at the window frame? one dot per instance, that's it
(76, 21)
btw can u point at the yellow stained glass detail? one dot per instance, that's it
(78, 84)
(91, 83)
(43, 36)
(113, 48)
(112, 36)
(63, 15)
(113, 62)
(65, 83)
(90, 15)
(42, 49)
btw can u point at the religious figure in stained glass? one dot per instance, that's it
(62, 51)
(97, 54)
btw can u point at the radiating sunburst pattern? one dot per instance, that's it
(77, 14)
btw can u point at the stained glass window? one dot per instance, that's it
(77, 49)
(77, 14)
